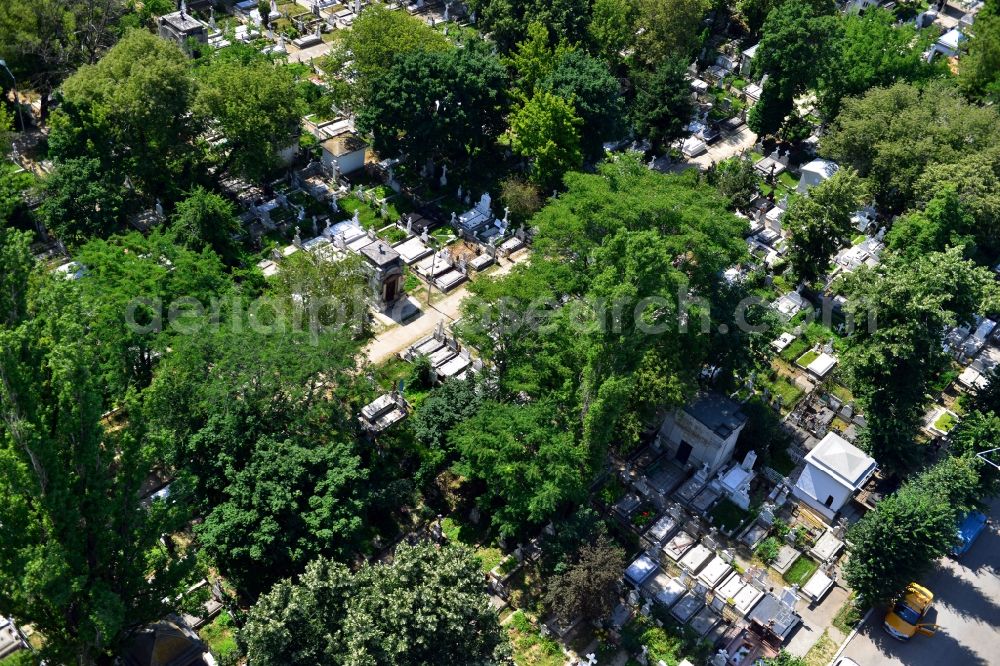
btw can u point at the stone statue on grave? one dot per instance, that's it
(423, 236)
(315, 227)
(326, 228)
(159, 209)
(274, 6)
(506, 215)
(409, 224)
(357, 7)
(484, 204)
(319, 31)
(433, 20)
(356, 218)
(467, 199)
(211, 18)
(184, 8)
(454, 218)
(444, 175)
(339, 241)
(333, 205)
(458, 195)
(749, 460)
(472, 18)
(447, 11)
(281, 44)
(302, 213)
(297, 239)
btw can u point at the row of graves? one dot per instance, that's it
(721, 98)
(448, 358)
(697, 571)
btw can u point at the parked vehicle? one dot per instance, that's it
(903, 622)
(969, 529)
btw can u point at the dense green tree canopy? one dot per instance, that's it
(669, 29)
(595, 94)
(892, 135)
(899, 541)
(546, 130)
(138, 291)
(427, 607)
(533, 464)
(257, 109)
(375, 40)
(790, 54)
(871, 50)
(507, 21)
(821, 222)
(662, 106)
(943, 222)
(901, 309)
(589, 588)
(81, 201)
(205, 219)
(130, 111)
(69, 565)
(979, 69)
(446, 105)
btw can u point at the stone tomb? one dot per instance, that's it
(785, 559)
(715, 572)
(703, 622)
(679, 545)
(696, 559)
(687, 606)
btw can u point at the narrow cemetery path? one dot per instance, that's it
(724, 148)
(397, 338)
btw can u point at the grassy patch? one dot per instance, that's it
(788, 180)
(945, 422)
(19, 658)
(476, 537)
(530, 647)
(858, 239)
(789, 392)
(219, 636)
(489, 558)
(849, 615)
(366, 216)
(841, 391)
(807, 358)
(800, 571)
(670, 643)
(393, 235)
(796, 349)
(727, 515)
(822, 652)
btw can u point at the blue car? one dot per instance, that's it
(969, 529)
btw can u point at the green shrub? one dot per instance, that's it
(768, 549)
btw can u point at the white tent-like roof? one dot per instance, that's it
(843, 462)
(815, 173)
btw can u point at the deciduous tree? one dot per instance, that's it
(439, 105)
(130, 111)
(821, 222)
(588, 589)
(80, 557)
(427, 607)
(257, 109)
(547, 131)
(898, 542)
(662, 106)
(900, 309)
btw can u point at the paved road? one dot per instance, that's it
(966, 606)
(396, 338)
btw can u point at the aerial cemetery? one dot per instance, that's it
(472, 331)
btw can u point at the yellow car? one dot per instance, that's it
(903, 621)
